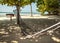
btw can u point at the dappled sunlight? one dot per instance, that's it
(11, 32)
(14, 41)
(47, 32)
(14, 28)
(3, 42)
(6, 35)
(41, 25)
(50, 32)
(56, 39)
(36, 40)
(55, 33)
(2, 31)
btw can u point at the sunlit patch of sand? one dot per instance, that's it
(2, 31)
(14, 28)
(3, 42)
(56, 39)
(50, 32)
(35, 17)
(22, 38)
(27, 37)
(14, 41)
(36, 40)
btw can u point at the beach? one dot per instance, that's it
(29, 21)
(10, 31)
(29, 17)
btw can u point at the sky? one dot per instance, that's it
(5, 8)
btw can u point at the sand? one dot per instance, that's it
(10, 31)
(29, 17)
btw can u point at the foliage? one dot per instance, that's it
(13, 2)
(29, 2)
(47, 5)
(18, 4)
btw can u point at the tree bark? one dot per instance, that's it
(31, 9)
(49, 12)
(18, 15)
(42, 13)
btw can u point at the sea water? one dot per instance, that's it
(3, 14)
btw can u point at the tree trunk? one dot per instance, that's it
(49, 12)
(18, 15)
(42, 13)
(31, 9)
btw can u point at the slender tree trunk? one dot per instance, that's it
(42, 13)
(49, 12)
(31, 9)
(18, 15)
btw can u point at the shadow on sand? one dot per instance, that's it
(10, 32)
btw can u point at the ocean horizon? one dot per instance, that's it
(22, 13)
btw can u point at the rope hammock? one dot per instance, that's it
(44, 30)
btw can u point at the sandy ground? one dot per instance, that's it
(29, 17)
(10, 32)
